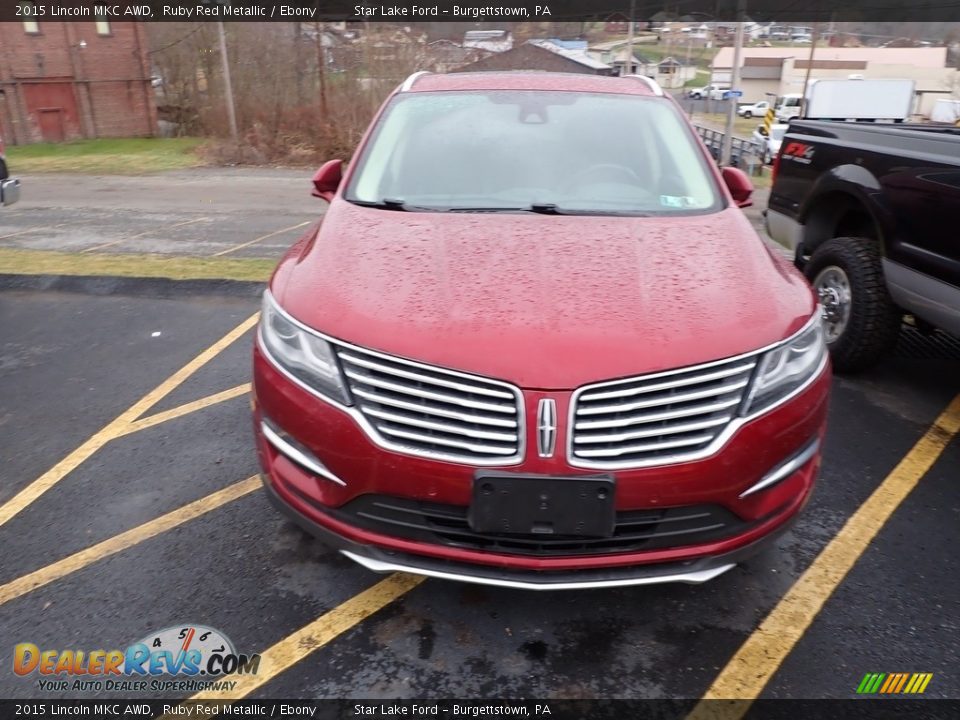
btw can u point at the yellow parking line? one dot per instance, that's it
(118, 426)
(139, 235)
(750, 669)
(38, 228)
(186, 409)
(294, 648)
(110, 546)
(262, 237)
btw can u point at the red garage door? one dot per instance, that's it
(53, 108)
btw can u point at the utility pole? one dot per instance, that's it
(806, 79)
(628, 65)
(322, 68)
(734, 84)
(228, 86)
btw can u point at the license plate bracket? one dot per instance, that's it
(523, 504)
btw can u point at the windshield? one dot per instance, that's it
(509, 150)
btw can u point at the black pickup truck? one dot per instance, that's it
(9, 187)
(872, 212)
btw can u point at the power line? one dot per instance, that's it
(176, 42)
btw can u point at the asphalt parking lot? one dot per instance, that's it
(238, 213)
(129, 503)
(214, 213)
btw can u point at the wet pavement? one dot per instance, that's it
(72, 362)
(240, 213)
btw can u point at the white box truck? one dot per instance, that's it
(881, 99)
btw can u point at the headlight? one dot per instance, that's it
(307, 357)
(787, 367)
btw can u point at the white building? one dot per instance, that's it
(781, 70)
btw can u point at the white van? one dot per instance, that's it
(788, 106)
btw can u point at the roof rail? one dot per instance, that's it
(408, 83)
(651, 83)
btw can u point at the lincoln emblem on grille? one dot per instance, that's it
(546, 427)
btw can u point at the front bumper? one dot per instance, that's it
(9, 191)
(385, 560)
(352, 466)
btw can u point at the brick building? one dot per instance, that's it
(69, 80)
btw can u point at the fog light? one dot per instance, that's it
(786, 468)
(296, 452)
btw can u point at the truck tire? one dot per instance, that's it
(861, 323)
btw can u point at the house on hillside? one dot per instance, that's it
(70, 80)
(541, 55)
(672, 72)
(495, 41)
(447, 56)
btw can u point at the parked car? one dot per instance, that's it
(758, 108)
(9, 186)
(868, 210)
(708, 92)
(769, 142)
(515, 353)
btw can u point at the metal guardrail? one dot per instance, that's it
(707, 106)
(744, 154)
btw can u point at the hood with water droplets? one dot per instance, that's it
(550, 302)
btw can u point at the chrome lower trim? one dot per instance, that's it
(9, 191)
(693, 578)
(927, 297)
(297, 455)
(785, 469)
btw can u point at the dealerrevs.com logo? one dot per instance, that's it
(179, 658)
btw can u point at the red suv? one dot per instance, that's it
(536, 343)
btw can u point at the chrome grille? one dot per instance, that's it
(433, 412)
(655, 419)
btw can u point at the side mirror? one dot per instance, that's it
(327, 179)
(739, 185)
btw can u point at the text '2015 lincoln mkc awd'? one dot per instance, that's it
(535, 342)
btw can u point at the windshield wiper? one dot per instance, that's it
(385, 203)
(543, 208)
(393, 204)
(546, 209)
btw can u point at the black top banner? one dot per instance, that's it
(407, 11)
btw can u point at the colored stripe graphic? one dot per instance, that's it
(894, 683)
(923, 679)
